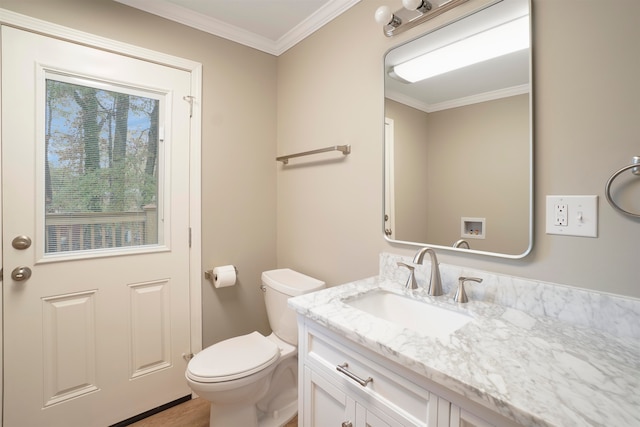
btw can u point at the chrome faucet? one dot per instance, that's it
(435, 283)
(460, 243)
(461, 295)
(411, 280)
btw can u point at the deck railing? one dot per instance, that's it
(98, 230)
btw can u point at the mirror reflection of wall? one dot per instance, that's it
(446, 169)
(465, 154)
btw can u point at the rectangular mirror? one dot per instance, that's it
(458, 144)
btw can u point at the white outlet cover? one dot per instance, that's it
(581, 214)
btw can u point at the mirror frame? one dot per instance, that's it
(529, 248)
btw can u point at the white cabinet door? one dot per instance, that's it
(370, 420)
(367, 418)
(462, 418)
(442, 416)
(326, 405)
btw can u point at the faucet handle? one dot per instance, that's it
(461, 295)
(411, 280)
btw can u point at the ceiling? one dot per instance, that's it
(272, 26)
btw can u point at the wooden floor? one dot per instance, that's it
(194, 413)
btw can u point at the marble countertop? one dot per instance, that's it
(535, 370)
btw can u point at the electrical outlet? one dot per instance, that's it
(560, 214)
(572, 215)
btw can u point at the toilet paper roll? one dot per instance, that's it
(224, 276)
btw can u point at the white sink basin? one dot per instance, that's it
(412, 314)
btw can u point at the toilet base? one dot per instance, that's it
(280, 404)
(251, 417)
(232, 415)
(280, 417)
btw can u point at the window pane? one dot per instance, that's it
(101, 168)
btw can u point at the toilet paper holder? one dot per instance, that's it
(208, 274)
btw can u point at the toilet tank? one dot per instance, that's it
(279, 286)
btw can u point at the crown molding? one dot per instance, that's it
(331, 10)
(173, 12)
(461, 102)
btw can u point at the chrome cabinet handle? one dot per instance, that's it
(21, 273)
(343, 369)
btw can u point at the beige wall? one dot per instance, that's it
(328, 90)
(478, 166)
(469, 161)
(412, 195)
(586, 127)
(238, 147)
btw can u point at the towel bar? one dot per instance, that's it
(345, 149)
(635, 166)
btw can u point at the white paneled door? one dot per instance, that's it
(95, 173)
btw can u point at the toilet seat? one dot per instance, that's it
(234, 358)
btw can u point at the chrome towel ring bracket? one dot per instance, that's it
(635, 169)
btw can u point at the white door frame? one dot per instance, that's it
(389, 180)
(46, 28)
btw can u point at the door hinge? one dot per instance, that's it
(189, 236)
(190, 100)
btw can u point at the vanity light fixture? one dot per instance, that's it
(506, 38)
(413, 13)
(421, 6)
(384, 16)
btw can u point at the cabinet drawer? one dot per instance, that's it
(326, 354)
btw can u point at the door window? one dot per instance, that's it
(100, 166)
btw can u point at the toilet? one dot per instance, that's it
(252, 380)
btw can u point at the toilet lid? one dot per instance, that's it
(233, 358)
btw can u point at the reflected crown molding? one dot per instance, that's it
(461, 102)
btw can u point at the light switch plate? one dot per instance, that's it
(572, 215)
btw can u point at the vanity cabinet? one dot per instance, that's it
(462, 418)
(343, 384)
(329, 404)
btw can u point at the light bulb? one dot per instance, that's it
(422, 6)
(383, 15)
(411, 4)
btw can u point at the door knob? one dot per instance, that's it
(21, 273)
(21, 242)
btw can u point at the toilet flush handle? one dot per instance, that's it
(263, 288)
